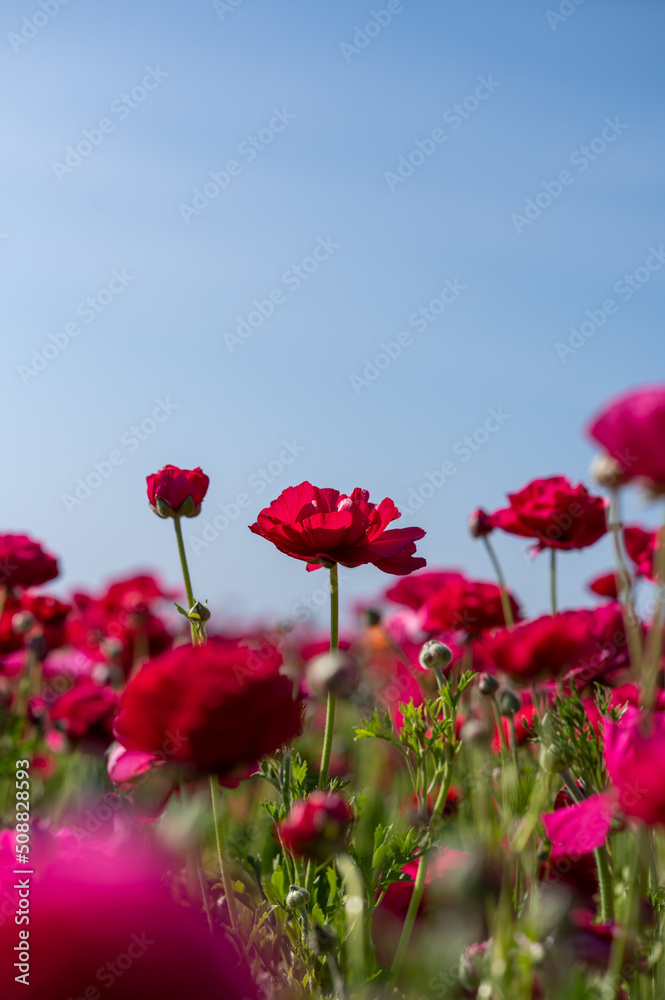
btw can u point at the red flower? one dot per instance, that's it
(466, 605)
(632, 430)
(317, 826)
(175, 492)
(24, 563)
(580, 828)
(524, 723)
(635, 760)
(545, 647)
(604, 586)
(641, 546)
(86, 711)
(558, 514)
(218, 708)
(480, 523)
(323, 526)
(414, 590)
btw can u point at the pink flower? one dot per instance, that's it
(324, 526)
(631, 429)
(580, 828)
(635, 761)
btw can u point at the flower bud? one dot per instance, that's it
(23, 621)
(488, 684)
(200, 611)
(296, 897)
(509, 703)
(372, 617)
(435, 654)
(332, 673)
(556, 757)
(37, 644)
(480, 524)
(607, 472)
(474, 731)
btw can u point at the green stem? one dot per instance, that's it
(505, 601)
(197, 628)
(553, 580)
(605, 884)
(221, 852)
(412, 912)
(330, 710)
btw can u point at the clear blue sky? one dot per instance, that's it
(169, 93)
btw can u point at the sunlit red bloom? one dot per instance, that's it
(641, 546)
(635, 761)
(324, 526)
(545, 647)
(217, 708)
(24, 563)
(175, 492)
(605, 586)
(86, 711)
(102, 914)
(317, 826)
(555, 513)
(414, 590)
(465, 605)
(631, 429)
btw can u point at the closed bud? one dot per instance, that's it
(332, 673)
(556, 757)
(200, 612)
(372, 616)
(297, 897)
(37, 644)
(474, 731)
(480, 524)
(607, 472)
(488, 684)
(23, 621)
(509, 703)
(435, 654)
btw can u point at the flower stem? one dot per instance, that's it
(553, 580)
(330, 710)
(605, 884)
(412, 912)
(197, 628)
(221, 852)
(505, 601)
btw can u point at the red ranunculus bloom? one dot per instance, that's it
(556, 513)
(218, 708)
(24, 563)
(545, 647)
(467, 605)
(635, 760)
(175, 492)
(317, 826)
(631, 429)
(322, 526)
(86, 711)
(605, 586)
(641, 546)
(414, 590)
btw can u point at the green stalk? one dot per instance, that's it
(418, 889)
(553, 580)
(330, 709)
(505, 602)
(197, 628)
(221, 852)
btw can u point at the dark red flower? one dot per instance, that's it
(465, 605)
(318, 825)
(86, 711)
(24, 563)
(480, 523)
(556, 513)
(218, 708)
(604, 586)
(323, 526)
(641, 546)
(175, 492)
(545, 647)
(631, 429)
(50, 614)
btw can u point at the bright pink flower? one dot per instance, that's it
(317, 826)
(465, 605)
(545, 647)
(175, 492)
(604, 586)
(631, 429)
(323, 526)
(556, 513)
(217, 708)
(635, 761)
(580, 828)
(24, 563)
(641, 547)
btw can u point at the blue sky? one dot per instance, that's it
(338, 98)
